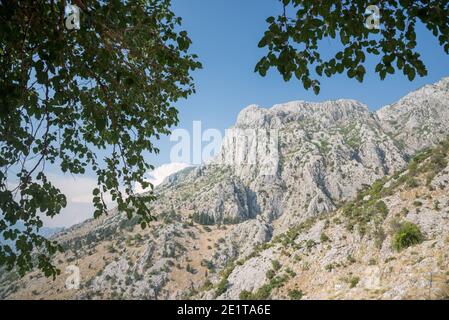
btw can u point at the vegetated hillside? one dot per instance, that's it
(211, 218)
(391, 242)
(420, 118)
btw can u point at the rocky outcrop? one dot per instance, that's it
(304, 158)
(242, 240)
(389, 243)
(419, 119)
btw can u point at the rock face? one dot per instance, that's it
(316, 155)
(278, 169)
(366, 250)
(420, 118)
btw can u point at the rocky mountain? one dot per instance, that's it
(284, 211)
(420, 118)
(391, 242)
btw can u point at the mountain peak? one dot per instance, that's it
(254, 116)
(420, 118)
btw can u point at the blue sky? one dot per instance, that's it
(225, 34)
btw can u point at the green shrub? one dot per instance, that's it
(324, 237)
(351, 259)
(203, 218)
(276, 265)
(263, 293)
(290, 272)
(295, 294)
(223, 284)
(411, 182)
(221, 287)
(288, 238)
(436, 205)
(245, 295)
(329, 267)
(379, 237)
(408, 234)
(382, 208)
(353, 282)
(310, 244)
(190, 269)
(270, 274)
(207, 285)
(417, 203)
(208, 264)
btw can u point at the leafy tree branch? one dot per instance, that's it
(294, 44)
(69, 96)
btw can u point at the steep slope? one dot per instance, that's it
(327, 151)
(278, 168)
(390, 243)
(420, 118)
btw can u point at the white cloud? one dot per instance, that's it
(158, 175)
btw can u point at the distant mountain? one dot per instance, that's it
(49, 232)
(161, 173)
(312, 200)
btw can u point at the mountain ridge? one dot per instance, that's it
(320, 155)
